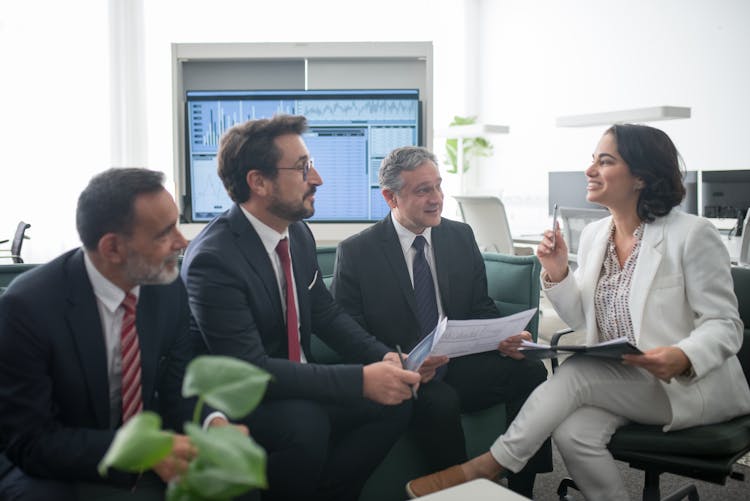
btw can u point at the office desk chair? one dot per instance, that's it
(16, 244)
(573, 221)
(744, 257)
(487, 217)
(706, 453)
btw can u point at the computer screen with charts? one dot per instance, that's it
(350, 131)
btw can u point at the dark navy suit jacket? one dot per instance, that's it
(236, 306)
(372, 283)
(54, 390)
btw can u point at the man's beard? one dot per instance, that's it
(140, 272)
(291, 211)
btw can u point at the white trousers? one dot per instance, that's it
(581, 406)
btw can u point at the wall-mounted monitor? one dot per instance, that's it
(350, 131)
(568, 189)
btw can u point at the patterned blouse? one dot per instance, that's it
(611, 303)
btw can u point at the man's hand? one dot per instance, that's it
(665, 362)
(393, 358)
(430, 365)
(509, 346)
(175, 464)
(387, 384)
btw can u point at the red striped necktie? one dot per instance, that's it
(130, 353)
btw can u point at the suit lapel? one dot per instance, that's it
(85, 327)
(255, 254)
(394, 255)
(300, 264)
(649, 258)
(147, 327)
(440, 248)
(591, 270)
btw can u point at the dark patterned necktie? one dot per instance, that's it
(424, 289)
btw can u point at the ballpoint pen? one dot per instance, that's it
(554, 225)
(403, 366)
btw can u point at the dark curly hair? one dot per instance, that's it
(653, 157)
(250, 146)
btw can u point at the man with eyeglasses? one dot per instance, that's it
(256, 293)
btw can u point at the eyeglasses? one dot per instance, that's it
(304, 167)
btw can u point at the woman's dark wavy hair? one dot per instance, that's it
(653, 157)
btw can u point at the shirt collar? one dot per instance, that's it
(268, 236)
(406, 237)
(110, 295)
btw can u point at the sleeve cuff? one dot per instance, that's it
(210, 417)
(547, 282)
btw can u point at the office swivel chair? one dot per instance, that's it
(486, 216)
(15, 246)
(573, 221)
(744, 257)
(707, 453)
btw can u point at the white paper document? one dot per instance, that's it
(455, 338)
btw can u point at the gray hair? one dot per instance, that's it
(406, 158)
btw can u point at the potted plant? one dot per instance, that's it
(473, 147)
(229, 463)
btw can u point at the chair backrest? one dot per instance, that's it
(574, 220)
(744, 257)
(326, 261)
(513, 283)
(486, 216)
(15, 246)
(741, 278)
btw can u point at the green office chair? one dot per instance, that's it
(326, 260)
(707, 453)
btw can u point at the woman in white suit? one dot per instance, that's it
(653, 274)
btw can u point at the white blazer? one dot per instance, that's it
(681, 295)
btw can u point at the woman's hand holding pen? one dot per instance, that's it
(553, 254)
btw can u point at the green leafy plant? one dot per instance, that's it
(474, 147)
(229, 463)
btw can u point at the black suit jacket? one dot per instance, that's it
(236, 306)
(54, 390)
(371, 280)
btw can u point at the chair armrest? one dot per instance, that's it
(554, 341)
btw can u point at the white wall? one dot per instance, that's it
(535, 61)
(547, 58)
(54, 127)
(52, 50)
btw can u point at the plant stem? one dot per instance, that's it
(197, 411)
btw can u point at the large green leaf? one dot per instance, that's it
(227, 384)
(229, 463)
(138, 445)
